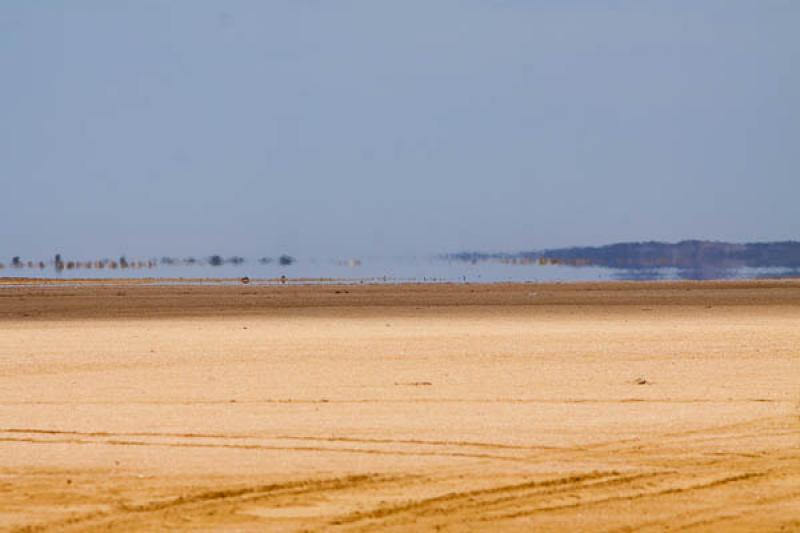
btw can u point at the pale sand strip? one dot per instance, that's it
(407, 407)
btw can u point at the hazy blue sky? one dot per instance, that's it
(342, 127)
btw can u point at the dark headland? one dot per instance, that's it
(689, 254)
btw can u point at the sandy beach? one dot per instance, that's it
(504, 407)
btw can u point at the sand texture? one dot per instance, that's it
(520, 407)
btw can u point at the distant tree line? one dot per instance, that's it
(690, 254)
(59, 263)
(686, 254)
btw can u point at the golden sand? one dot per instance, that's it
(597, 407)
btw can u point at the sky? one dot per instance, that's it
(339, 128)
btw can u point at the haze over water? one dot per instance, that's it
(397, 270)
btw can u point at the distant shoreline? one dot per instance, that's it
(314, 281)
(330, 282)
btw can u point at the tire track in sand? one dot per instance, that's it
(511, 502)
(91, 440)
(455, 502)
(204, 499)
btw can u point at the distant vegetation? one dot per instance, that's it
(693, 254)
(59, 263)
(686, 254)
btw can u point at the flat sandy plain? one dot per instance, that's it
(128, 406)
